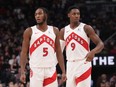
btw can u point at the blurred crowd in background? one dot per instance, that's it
(17, 15)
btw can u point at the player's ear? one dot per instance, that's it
(68, 15)
(46, 16)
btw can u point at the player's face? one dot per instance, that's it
(40, 16)
(74, 15)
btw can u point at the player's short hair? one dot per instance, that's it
(44, 9)
(72, 7)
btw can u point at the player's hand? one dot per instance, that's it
(64, 78)
(89, 57)
(23, 78)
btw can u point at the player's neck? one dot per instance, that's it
(42, 27)
(74, 25)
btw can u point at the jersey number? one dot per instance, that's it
(73, 46)
(45, 51)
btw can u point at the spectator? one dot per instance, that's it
(1, 85)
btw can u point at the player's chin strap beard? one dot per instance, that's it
(42, 22)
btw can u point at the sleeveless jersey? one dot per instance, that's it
(42, 48)
(77, 42)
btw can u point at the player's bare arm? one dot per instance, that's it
(59, 53)
(62, 42)
(62, 34)
(24, 52)
(96, 40)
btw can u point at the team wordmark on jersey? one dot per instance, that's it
(41, 40)
(77, 38)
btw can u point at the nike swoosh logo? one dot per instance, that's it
(67, 31)
(36, 32)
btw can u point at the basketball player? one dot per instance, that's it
(76, 37)
(43, 44)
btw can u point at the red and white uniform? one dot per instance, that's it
(77, 42)
(42, 58)
(42, 48)
(77, 47)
